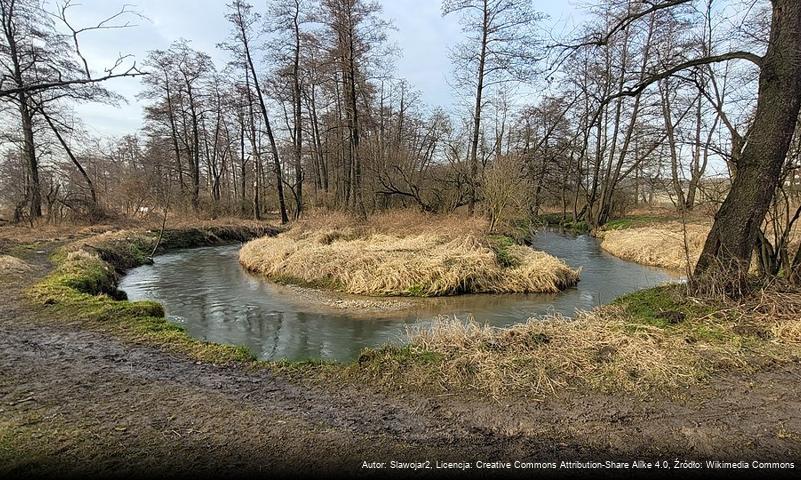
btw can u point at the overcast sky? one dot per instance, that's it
(421, 35)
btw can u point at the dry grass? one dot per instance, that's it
(626, 347)
(788, 332)
(776, 312)
(658, 240)
(601, 349)
(24, 234)
(661, 245)
(393, 222)
(403, 254)
(13, 265)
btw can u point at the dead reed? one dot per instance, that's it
(659, 245)
(403, 254)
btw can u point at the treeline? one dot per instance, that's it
(648, 102)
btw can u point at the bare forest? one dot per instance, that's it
(587, 246)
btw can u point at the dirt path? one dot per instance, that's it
(81, 402)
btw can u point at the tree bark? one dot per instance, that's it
(729, 246)
(298, 115)
(471, 206)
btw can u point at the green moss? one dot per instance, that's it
(500, 245)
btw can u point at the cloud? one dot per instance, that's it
(421, 34)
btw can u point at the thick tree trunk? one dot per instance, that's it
(729, 246)
(29, 150)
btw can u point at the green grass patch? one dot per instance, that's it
(417, 291)
(394, 358)
(500, 245)
(635, 221)
(322, 283)
(22, 250)
(662, 306)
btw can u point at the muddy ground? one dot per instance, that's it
(78, 402)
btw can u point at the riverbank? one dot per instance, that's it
(656, 374)
(670, 245)
(654, 342)
(404, 254)
(83, 284)
(662, 240)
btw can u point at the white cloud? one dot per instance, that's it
(422, 35)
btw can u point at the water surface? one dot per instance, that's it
(215, 299)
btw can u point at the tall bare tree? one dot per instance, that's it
(40, 63)
(501, 46)
(244, 19)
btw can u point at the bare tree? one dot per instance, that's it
(287, 20)
(39, 61)
(243, 18)
(501, 46)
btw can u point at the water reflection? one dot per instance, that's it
(207, 292)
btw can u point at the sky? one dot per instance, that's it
(420, 34)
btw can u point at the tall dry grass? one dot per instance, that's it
(403, 253)
(393, 222)
(601, 349)
(661, 245)
(615, 348)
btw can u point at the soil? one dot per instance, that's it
(76, 402)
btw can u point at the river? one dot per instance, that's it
(207, 292)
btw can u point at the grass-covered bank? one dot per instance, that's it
(83, 285)
(656, 340)
(405, 253)
(670, 245)
(663, 239)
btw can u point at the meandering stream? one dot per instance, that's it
(206, 291)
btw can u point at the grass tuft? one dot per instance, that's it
(378, 260)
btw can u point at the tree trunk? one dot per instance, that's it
(72, 158)
(471, 206)
(273, 148)
(729, 246)
(29, 150)
(298, 118)
(26, 116)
